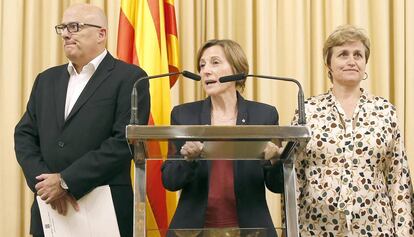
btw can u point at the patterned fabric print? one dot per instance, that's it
(354, 178)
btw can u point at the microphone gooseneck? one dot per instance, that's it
(301, 100)
(134, 94)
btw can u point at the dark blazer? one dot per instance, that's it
(89, 148)
(250, 177)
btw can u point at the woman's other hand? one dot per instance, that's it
(272, 152)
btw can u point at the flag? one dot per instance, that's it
(147, 36)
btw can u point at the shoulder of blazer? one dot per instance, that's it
(127, 67)
(108, 60)
(188, 113)
(253, 107)
(53, 71)
(259, 107)
(261, 113)
(190, 107)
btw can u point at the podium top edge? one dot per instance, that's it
(209, 132)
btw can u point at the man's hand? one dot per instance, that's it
(61, 204)
(48, 187)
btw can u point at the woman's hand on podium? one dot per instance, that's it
(191, 150)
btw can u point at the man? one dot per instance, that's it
(71, 138)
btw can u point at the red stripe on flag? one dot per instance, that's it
(126, 50)
(170, 23)
(170, 29)
(155, 191)
(173, 79)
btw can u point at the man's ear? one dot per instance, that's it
(102, 35)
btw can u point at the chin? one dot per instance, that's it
(218, 94)
(71, 56)
(69, 53)
(212, 92)
(354, 79)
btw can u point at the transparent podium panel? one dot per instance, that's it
(242, 143)
(219, 142)
(211, 150)
(217, 232)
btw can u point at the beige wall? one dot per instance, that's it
(280, 37)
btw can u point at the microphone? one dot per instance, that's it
(301, 100)
(134, 95)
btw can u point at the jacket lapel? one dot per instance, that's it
(242, 117)
(205, 116)
(242, 114)
(60, 90)
(103, 71)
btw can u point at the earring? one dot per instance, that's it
(366, 76)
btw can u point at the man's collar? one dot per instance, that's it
(94, 62)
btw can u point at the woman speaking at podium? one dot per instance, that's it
(223, 194)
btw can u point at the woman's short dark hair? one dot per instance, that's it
(234, 55)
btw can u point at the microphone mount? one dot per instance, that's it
(301, 100)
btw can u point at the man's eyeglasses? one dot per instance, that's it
(72, 27)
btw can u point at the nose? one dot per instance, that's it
(351, 61)
(65, 33)
(205, 70)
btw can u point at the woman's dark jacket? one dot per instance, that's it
(250, 177)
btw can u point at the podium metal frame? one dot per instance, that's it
(296, 137)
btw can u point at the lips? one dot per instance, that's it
(210, 81)
(69, 43)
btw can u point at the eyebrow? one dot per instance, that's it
(212, 58)
(346, 50)
(215, 57)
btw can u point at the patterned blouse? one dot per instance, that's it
(353, 177)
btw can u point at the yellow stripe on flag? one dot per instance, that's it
(152, 43)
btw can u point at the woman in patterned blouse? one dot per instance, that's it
(353, 177)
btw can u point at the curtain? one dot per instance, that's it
(280, 37)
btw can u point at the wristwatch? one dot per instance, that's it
(63, 184)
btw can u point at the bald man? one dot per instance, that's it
(71, 139)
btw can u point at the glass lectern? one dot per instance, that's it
(294, 137)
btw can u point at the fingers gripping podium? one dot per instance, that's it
(296, 138)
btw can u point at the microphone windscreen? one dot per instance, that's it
(235, 77)
(191, 75)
